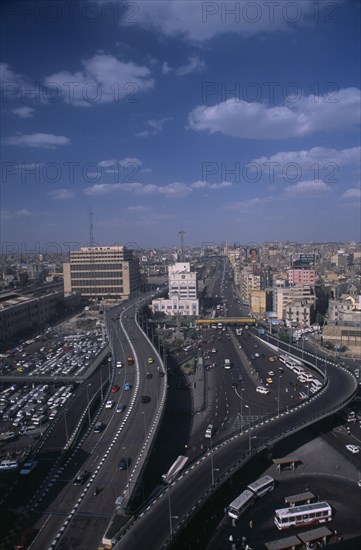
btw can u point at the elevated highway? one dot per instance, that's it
(178, 502)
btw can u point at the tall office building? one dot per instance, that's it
(104, 272)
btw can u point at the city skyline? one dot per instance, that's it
(233, 121)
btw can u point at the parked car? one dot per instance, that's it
(353, 448)
(261, 389)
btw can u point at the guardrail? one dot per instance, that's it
(318, 415)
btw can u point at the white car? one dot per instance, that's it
(261, 389)
(271, 373)
(119, 364)
(109, 404)
(256, 354)
(353, 448)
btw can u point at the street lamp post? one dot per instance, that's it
(87, 394)
(250, 442)
(170, 515)
(242, 390)
(145, 428)
(126, 458)
(101, 384)
(278, 395)
(66, 428)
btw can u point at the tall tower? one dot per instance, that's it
(181, 233)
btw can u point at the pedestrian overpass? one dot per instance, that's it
(228, 321)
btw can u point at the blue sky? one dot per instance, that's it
(233, 121)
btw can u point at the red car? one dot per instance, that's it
(115, 389)
(25, 539)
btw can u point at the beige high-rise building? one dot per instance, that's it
(105, 272)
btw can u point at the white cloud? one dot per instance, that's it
(61, 194)
(311, 114)
(46, 141)
(154, 127)
(306, 158)
(24, 112)
(126, 162)
(249, 205)
(310, 188)
(204, 20)
(195, 65)
(171, 190)
(353, 193)
(103, 79)
(21, 213)
(201, 184)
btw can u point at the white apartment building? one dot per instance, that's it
(182, 285)
(284, 296)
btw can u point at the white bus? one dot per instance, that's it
(254, 490)
(298, 516)
(241, 503)
(262, 486)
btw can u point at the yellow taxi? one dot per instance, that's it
(272, 359)
(269, 380)
(150, 360)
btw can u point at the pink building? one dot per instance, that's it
(300, 277)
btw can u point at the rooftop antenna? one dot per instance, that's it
(181, 233)
(91, 228)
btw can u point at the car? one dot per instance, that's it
(81, 477)
(145, 398)
(109, 404)
(127, 386)
(240, 377)
(269, 380)
(161, 374)
(253, 357)
(149, 375)
(271, 373)
(209, 431)
(25, 539)
(214, 350)
(120, 408)
(115, 389)
(150, 360)
(353, 448)
(119, 364)
(234, 385)
(240, 347)
(256, 354)
(272, 359)
(98, 427)
(261, 389)
(124, 463)
(28, 467)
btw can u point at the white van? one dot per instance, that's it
(209, 431)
